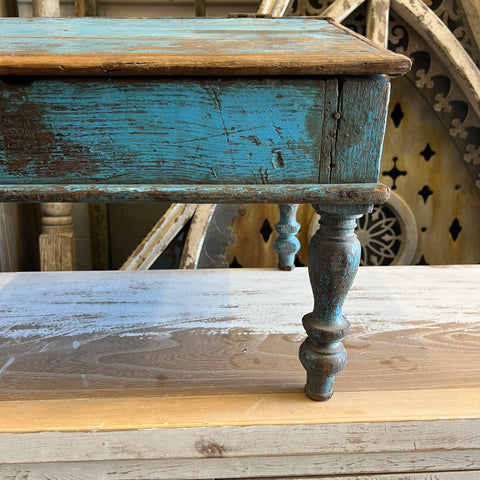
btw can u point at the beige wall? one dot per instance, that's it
(152, 8)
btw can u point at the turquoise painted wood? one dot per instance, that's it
(161, 131)
(206, 110)
(190, 131)
(189, 46)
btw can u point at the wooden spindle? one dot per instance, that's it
(57, 242)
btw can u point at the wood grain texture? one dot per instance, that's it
(362, 108)
(470, 475)
(116, 333)
(149, 385)
(160, 236)
(214, 46)
(161, 131)
(208, 468)
(347, 194)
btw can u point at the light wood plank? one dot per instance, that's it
(209, 468)
(118, 334)
(172, 412)
(166, 426)
(160, 236)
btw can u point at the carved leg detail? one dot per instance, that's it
(287, 244)
(333, 259)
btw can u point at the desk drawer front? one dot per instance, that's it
(190, 130)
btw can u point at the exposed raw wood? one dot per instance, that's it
(407, 402)
(347, 194)
(377, 21)
(208, 468)
(473, 475)
(238, 46)
(46, 8)
(8, 238)
(57, 241)
(118, 333)
(341, 9)
(196, 236)
(444, 43)
(165, 230)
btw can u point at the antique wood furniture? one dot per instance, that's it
(205, 110)
(108, 375)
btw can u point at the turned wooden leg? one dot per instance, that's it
(57, 241)
(333, 259)
(287, 244)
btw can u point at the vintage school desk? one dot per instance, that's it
(205, 110)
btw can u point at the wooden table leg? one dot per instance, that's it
(333, 260)
(287, 244)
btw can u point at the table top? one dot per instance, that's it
(190, 46)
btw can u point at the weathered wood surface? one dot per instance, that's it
(287, 244)
(257, 131)
(333, 258)
(160, 236)
(119, 333)
(193, 245)
(57, 240)
(214, 46)
(470, 475)
(207, 468)
(356, 193)
(46, 8)
(117, 365)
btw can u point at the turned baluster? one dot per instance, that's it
(57, 242)
(287, 244)
(333, 260)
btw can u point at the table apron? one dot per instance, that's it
(197, 131)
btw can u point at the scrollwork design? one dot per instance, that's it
(380, 236)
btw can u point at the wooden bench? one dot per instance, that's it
(206, 110)
(107, 375)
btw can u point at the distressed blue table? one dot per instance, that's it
(205, 110)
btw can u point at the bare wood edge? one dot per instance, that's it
(453, 475)
(340, 194)
(133, 413)
(341, 9)
(377, 63)
(377, 21)
(406, 63)
(159, 237)
(196, 236)
(454, 465)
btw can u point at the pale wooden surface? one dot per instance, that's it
(160, 236)
(119, 333)
(194, 374)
